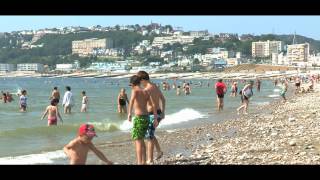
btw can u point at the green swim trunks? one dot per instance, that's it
(140, 126)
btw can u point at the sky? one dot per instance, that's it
(303, 25)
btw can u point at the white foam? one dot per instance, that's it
(276, 90)
(43, 158)
(183, 115)
(273, 95)
(261, 103)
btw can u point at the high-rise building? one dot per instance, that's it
(86, 47)
(266, 48)
(298, 54)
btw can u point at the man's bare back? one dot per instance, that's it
(140, 101)
(155, 94)
(55, 94)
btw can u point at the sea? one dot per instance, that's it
(26, 139)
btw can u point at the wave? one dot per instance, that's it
(274, 95)
(43, 158)
(261, 103)
(183, 115)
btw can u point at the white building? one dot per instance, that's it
(199, 33)
(7, 67)
(65, 67)
(36, 67)
(298, 54)
(233, 61)
(266, 48)
(160, 41)
(314, 60)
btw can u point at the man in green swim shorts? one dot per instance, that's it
(138, 102)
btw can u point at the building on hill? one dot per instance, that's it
(86, 47)
(298, 54)
(266, 48)
(199, 33)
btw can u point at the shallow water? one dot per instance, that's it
(28, 139)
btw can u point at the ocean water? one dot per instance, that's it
(25, 139)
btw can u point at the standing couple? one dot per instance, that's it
(149, 109)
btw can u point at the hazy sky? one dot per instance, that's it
(303, 25)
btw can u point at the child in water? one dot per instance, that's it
(53, 113)
(23, 101)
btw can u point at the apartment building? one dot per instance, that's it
(86, 47)
(266, 48)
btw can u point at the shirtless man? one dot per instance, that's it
(138, 102)
(77, 150)
(55, 94)
(159, 106)
(53, 113)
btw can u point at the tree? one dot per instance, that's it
(117, 27)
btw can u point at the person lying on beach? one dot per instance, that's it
(138, 102)
(53, 113)
(77, 149)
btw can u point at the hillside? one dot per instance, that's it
(57, 47)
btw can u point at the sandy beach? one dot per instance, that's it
(278, 133)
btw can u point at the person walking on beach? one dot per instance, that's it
(122, 101)
(84, 106)
(55, 94)
(258, 83)
(77, 149)
(23, 101)
(67, 100)
(284, 89)
(187, 89)
(247, 93)
(298, 84)
(53, 113)
(138, 102)
(159, 106)
(221, 89)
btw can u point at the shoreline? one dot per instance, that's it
(182, 142)
(288, 134)
(170, 75)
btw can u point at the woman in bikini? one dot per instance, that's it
(53, 113)
(122, 101)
